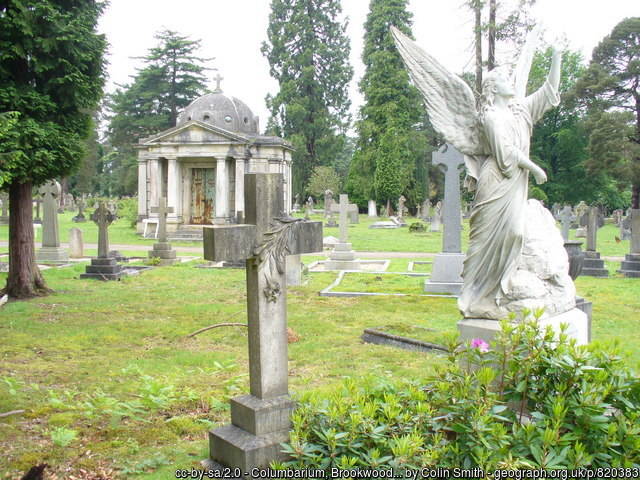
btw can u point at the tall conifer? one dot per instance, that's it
(308, 52)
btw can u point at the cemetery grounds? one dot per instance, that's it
(111, 384)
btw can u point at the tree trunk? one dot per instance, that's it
(25, 279)
(491, 50)
(477, 8)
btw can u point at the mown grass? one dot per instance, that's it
(361, 236)
(111, 361)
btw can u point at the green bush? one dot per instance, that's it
(417, 227)
(128, 209)
(531, 401)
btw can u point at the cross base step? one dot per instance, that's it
(234, 447)
(52, 255)
(103, 269)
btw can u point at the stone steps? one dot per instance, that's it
(593, 265)
(630, 266)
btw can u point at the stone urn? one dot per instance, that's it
(576, 257)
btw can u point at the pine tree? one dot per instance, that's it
(308, 54)
(391, 105)
(610, 88)
(51, 74)
(173, 76)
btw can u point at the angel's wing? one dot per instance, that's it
(521, 73)
(449, 100)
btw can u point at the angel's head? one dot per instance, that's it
(497, 83)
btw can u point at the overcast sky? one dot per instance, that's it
(232, 31)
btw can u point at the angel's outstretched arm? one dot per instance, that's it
(546, 96)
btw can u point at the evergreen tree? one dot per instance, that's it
(559, 142)
(308, 54)
(51, 73)
(173, 76)
(611, 90)
(391, 105)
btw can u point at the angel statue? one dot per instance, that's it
(515, 258)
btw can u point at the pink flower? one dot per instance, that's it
(480, 344)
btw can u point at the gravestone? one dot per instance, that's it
(308, 209)
(104, 267)
(630, 266)
(79, 218)
(566, 218)
(260, 421)
(38, 201)
(436, 218)
(311, 203)
(4, 216)
(418, 212)
(371, 209)
(296, 203)
(625, 228)
(446, 273)
(426, 210)
(51, 251)
(69, 203)
(294, 270)
(593, 265)
(352, 211)
(162, 249)
(401, 208)
(582, 214)
(343, 257)
(328, 201)
(76, 245)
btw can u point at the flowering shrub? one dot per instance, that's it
(531, 401)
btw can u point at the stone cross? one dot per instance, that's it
(38, 202)
(218, 78)
(50, 192)
(261, 420)
(426, 209)
(450, 160)
(566, 218)
(162, 210)
(352, 211)
(103, 217)
(4, 198)
(401, 201)
(343, 220)
(593, 223)
(328, 200)
(635, 231)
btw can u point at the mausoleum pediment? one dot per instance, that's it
(195, 132)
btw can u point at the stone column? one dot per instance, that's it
(174, 181)
(222, 191)
(142, 189)
(154, 183)
(240, 185)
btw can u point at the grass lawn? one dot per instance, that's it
(360, 235)
(110, 381)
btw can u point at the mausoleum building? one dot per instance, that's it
(199, 164)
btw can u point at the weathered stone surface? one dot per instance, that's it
(76, 245)
(371, 209)
(577, 321)
(294, 270)
(446, 274)
(51, 251)
(450, 160)
(593, 265)
(264, 243)
(103, 269)
(566, 218)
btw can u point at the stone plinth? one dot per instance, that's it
(52, 255)
(630, 266)
(593, 265)
(164, 252)
(576, 319)
(446, 274)
(103, 269)
(294, 270)
(342, 258)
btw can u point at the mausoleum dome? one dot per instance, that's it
(222, 111)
